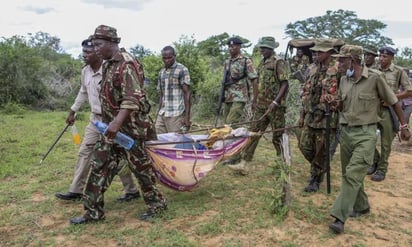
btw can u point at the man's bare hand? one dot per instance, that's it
(405, 134)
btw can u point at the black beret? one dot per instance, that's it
(87, 43)
(234, 41)
(387, 50)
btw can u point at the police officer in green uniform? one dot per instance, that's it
(269, 102)
(240, 78)
(125, 108)
(319, 92)
(395, 77)
(361, 91)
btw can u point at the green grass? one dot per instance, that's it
(223, 210)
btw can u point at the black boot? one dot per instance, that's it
(313, 185)
(372, 169)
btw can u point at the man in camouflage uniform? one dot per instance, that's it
(269, 105)
(299, 64)
(395, 77)
(240, 74)
(91, 76)
(319, 92)
(360, 93)
(124, 108)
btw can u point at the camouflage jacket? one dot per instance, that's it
(299, 63)
(239, 67)
(124, 90)
(322, 82)
(272, 72)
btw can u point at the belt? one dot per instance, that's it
(356, 126)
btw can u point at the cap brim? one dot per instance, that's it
(321, 49)
(339, 55)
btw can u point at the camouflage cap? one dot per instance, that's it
(387, 50)
(268, 42)
(324, 45)
(234, 41)
(370, 51)
(352, 51)
(106, 33)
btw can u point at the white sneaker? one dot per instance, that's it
(240, 167)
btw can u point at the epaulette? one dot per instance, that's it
(127, 56)
(375, 71)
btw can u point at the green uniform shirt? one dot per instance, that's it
(361, 99)
(124, 91)
(321, 82)
(272, 72)
(395, 76)
(239, 67)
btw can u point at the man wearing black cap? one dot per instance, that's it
(91, 76)
(125, 108)
(395, 77)
(240, 74)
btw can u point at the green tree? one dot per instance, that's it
(34, 71)
(404, 58)
(216, 50)
(140, 51)
(152, 65)
(44, 40)
(19, 78)
(342, 24)
(188, 54)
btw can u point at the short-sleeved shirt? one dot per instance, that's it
(396, 77)
(239, 67)
(272, 71)
(170, 82)
(407, 101)
(361, 99)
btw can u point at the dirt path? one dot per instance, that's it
(390, 223)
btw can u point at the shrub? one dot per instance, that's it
(13, 108)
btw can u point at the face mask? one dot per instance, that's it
(349, 72)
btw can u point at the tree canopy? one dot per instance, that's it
(35, 70)
(341, 24)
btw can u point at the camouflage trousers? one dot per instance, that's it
(233, 112)
(312, 144)
(276, 120)
(105, 165)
